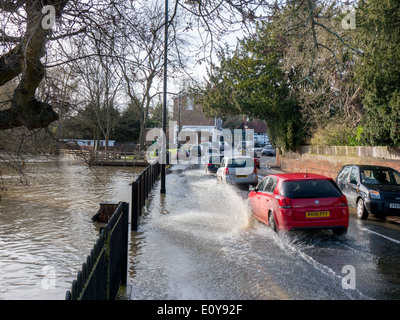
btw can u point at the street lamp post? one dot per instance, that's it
(164, 124)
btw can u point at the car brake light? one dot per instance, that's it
(344, 201)
(226, 171)
(209, 164)
(284, 203)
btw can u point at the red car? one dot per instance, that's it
(292, 201)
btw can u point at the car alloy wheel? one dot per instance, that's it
(362, 213)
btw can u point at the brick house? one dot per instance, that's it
(192, 122)
(260, 130)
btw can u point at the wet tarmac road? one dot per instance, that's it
(199, 241)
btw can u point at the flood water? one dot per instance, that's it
(46, 230)
(198, 241)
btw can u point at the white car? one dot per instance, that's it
(238, 170)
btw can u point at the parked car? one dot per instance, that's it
(259, 144)
(212, 163)
(292, 201)
(268, 150)
(256, 160)
(371, 189)
(238, 170)
(211, 151)
(245, 145)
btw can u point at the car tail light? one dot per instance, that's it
(226, 171)
(255, 169)
(284, 203)
(344, 201)
(209, 164)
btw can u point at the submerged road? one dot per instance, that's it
(199, 241)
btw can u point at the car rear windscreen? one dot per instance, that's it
(215, 160)
(310, 189)
(240, 163)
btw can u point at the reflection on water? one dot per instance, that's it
(46, 230)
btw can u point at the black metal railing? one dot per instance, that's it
(141, 189)
(106, 267)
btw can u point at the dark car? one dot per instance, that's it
(212, 163)
(257, 160)
(268, 150)
(371, 189)
(211, 152)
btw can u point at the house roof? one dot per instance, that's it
(257, 126)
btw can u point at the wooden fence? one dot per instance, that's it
(117, 158)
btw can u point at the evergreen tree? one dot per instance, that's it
(378, 25)
(250, 82)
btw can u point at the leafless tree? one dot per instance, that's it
(100, 83)
(141, 55)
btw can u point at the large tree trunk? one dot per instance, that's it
(24, 59)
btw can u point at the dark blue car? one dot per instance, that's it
(371, 189)
(212, 163)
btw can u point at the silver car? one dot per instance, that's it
(238, 170)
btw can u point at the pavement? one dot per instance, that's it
(264, 171)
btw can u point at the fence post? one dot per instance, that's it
(134, 206)
(145, 183)
(107, 252)
(124, 275)
(148, 180)
(142, 193)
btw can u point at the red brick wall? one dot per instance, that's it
(328, 165)
(194, 117)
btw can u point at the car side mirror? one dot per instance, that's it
(252, 188)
